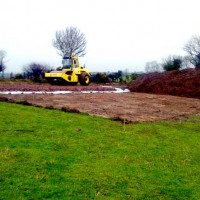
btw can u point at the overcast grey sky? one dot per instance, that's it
(121, 34)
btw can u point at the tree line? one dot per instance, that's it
(175, 62)
(72, 42)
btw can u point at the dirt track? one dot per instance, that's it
(135, 107)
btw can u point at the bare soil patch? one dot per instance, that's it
(134, 107)
(24, 87)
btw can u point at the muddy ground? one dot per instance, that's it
(134, 107)
(25, 87)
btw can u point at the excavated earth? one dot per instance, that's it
(129, 107)
(184, 83)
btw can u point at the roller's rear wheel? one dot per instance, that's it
(84, 79)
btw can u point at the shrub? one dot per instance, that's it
(172, 63)
(19, 76)
(100, 78)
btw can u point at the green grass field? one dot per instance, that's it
(49, 154)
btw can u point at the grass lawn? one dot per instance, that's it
(49, 154)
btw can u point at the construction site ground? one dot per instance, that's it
(131, 107)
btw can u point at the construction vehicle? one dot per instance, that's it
(70, 73)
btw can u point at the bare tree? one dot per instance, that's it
(3, 55)
(186, 62)
(36, 70)
(70, 42)
(192, 47)
(152, 66)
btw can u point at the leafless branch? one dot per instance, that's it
(192, 47)
(3, 55)
(70, 42)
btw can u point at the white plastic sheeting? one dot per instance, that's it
(117, 90)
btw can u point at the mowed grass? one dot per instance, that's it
(49, 154)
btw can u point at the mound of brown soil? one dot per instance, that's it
(184, 83)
